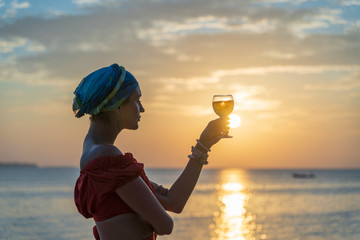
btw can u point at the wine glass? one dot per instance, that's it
(223, 105)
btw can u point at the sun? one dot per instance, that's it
(235, 121)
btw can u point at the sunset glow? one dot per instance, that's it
(293, 68)
(232, 223)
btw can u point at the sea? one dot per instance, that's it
(36, 203)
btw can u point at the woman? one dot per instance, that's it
(112, 187)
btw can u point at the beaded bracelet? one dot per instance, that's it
(202, 145)
(197, 154)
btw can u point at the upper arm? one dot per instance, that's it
(137, 195)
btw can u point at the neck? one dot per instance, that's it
(103, 132)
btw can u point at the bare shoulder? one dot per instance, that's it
(98, 151)
(105, 150)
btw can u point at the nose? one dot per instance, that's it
(142, 109)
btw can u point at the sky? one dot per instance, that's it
(293, 68)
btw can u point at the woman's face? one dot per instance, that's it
(130, 111)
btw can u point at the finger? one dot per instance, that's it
(222, 121)
(226, 118)
(227, 122)
(218, 137)
(225, 129)
(227, 136)
(224, 135)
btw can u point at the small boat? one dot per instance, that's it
(303, 175)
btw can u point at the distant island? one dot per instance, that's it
(14, 164)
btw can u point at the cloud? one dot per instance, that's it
(266, 53)
(17, 47)
(14, 93)
(164, 31)
(14, 6)
(324, 18)
(282, 119)
(348, 83)
(21, 5)
(51, 13)
(249, 98)
(279, 55)
(253, 98)
(349, 2)
(7, 46)
(166, 108)
(86, 2)
(258, 105)
(216, 76)
(261, 20)
(89, 46)
(45, 108)
(186, 44)
(296, 2)
(42, 77)
(251, 104)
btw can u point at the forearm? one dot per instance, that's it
(175, 199)
(181, 190)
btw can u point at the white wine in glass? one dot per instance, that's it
(223, 105)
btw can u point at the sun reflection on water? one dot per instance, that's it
(233, 221)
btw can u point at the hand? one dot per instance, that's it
(214, 131)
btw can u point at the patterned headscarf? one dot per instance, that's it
(103, 90)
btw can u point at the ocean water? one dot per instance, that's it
(236, 204)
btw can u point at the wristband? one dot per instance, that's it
(197, 154)
(202, 145)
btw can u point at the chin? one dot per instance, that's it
(133, 127)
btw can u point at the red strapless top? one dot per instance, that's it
(94, 193)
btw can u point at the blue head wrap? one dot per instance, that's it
(103, 90)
